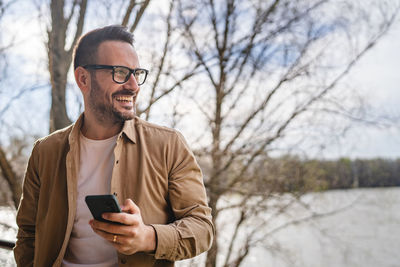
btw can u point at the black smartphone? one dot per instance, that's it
(99, 204)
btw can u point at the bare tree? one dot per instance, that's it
(267, 66)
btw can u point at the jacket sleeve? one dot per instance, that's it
(26, 215)
(193, 231)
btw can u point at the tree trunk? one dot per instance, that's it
(59, 62)
(58, 112)
(211, 260)
(11, 178)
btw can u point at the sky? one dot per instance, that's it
(376, 76)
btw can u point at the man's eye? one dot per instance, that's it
(121, 72)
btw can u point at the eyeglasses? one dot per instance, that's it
(121, 74)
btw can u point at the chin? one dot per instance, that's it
(128, 117)
(124, 116)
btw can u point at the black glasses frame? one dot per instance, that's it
(110, 67)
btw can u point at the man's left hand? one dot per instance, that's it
(130, 237)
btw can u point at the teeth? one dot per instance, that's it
(125, 98)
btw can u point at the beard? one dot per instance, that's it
(105, 111)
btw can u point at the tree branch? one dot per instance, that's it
(71, 14)
(125, 20)
(139, 15)
(163, 58)
(79, 26)
(10, 177)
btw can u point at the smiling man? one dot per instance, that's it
(109, 150)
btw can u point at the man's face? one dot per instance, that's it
(109, 101)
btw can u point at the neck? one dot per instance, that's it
(96, 130)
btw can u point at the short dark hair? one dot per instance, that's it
(85, 51)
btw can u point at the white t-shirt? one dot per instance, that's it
(86, 248)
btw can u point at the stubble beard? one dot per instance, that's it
(106, 113)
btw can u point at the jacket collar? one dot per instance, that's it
(76, 129)
(129, 129)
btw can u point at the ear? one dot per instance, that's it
(82, 78)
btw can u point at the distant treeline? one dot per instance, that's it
(346, 173)
(291, 174)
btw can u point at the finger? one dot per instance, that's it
(119, 242)
(109, 237)
(130, 207)
(120, 229)
(123, 218)
(110, 228)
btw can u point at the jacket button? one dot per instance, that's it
(123, 261)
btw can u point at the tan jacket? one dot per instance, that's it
(153, 166)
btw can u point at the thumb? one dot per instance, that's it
(130, 207)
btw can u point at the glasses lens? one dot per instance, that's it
(121, 74)
(140, 76)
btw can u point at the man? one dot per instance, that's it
(109, 150)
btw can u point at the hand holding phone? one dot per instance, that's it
(99, 204)
(137, 235)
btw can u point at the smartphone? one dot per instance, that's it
(99, 204)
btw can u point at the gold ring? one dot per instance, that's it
(115, 238)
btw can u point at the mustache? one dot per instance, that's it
(124, 92)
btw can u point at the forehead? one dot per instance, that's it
(117, 53)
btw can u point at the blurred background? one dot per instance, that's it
(291, 107)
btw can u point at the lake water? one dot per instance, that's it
(365, 234)
(363, 230)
